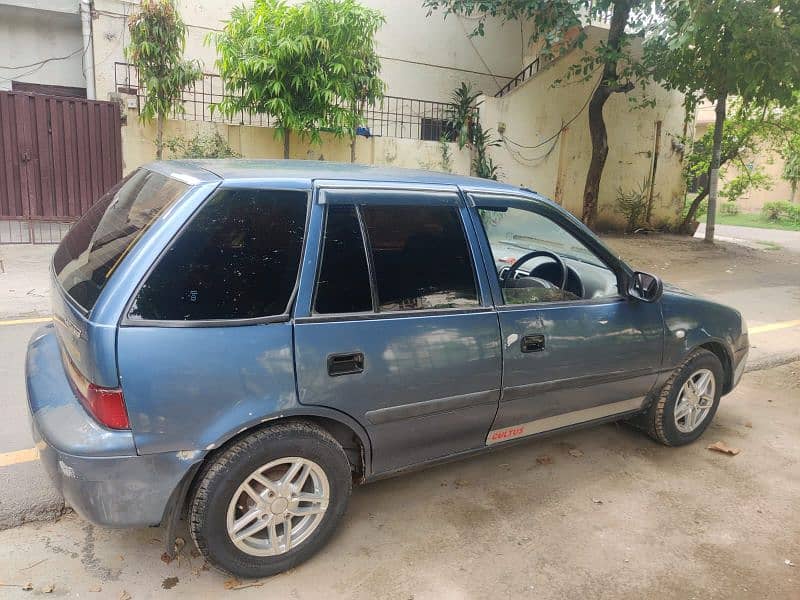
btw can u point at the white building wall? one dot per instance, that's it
(32, 31)
(422, 57)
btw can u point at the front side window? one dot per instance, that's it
(238, 258)
(537, 260)
(420, 256)
(89, 254)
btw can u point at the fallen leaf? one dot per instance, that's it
(166, 558)
(724, 449)
(27, 587)
(235, 584)
(179, 544)
(575, 452)
(459, 483)
(788, 563)
(195, 553)
(544, 460)
(124, 595)
(96, 588)
(48, 589)
(597, 500)
(748, 424)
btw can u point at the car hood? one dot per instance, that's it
(674, 289)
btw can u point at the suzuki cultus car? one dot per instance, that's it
(241, 341)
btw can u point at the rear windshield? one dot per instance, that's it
(93, 248)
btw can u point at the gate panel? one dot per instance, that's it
(57, 156)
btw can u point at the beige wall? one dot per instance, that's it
(557, 169)
(260, 142)
(422, 57)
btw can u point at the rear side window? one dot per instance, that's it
(343, 282)
(91, 251)
(238, 258)
(421, 257)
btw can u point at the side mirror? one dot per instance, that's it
(645, 287)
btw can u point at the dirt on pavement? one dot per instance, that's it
(618, 517)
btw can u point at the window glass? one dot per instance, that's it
(514, 232)
(421, 257)
(91, 251)
(343, 283)
(238, 258)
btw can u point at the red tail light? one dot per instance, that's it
(106, 405)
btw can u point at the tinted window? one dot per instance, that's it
(93, 248)
(343, 283)
(421, 257)
(237, 259)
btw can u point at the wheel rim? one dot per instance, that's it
(695, 401)
(278, 506)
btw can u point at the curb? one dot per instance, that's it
(772, 361)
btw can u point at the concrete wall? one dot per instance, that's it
(422, 57)
(35, 32)
(260, 142)
(535, 111)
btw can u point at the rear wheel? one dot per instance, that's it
(686, 404)
(271, 500)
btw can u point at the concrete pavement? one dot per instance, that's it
(790, 240)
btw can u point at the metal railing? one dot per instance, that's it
(393, 116)
(520, 78)
(32, 231)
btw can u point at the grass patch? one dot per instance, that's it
(756, 220)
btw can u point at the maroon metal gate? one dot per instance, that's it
(57, 156)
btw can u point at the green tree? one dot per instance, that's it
(158, 39)
(558, 27)
(791, 165)
(717, 49)
(311, 66)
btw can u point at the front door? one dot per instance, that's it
(394, 324)
(575, 349)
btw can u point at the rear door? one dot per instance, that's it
(394, 325)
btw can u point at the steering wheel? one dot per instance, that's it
(511, 272)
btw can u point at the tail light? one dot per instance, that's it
(106, 405)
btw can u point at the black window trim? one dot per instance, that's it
(535, 205)
(284, 317)
(366, 190)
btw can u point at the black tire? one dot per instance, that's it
(660, 417)
(220, 478)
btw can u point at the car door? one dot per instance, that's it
(570, 356)
(394, 324)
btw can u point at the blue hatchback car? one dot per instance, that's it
(241, 341)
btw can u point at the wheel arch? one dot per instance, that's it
(719, 349)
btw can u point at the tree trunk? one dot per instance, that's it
(159, 136)
(287, 134)
(352, 149)
(687, 220)
(597, 126)
(794, 191)
(713, 180)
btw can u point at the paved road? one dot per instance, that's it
(790, 240)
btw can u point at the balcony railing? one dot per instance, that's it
(393, 116)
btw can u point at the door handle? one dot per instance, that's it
(532, 343)
(345, 364)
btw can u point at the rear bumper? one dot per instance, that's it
(97, 470)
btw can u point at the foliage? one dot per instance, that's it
(747, 131)
(158, 39)
(633, 205)
(748, 177)
(791, 165)
(482, 165)
(729, 208)
(462, 116)
(557, 26)
(447, 155)
(201, 146)
(716, 49)
(311, 66)
(781, 211)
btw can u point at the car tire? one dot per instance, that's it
(222, 500)
(660, 420)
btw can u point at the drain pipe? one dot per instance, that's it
(87, 58)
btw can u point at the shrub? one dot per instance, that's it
(729, 208)
(781, 211)
(201, 146)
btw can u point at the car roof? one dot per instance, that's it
(307, 171)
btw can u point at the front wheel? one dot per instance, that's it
(271, 500)
(688, 401)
